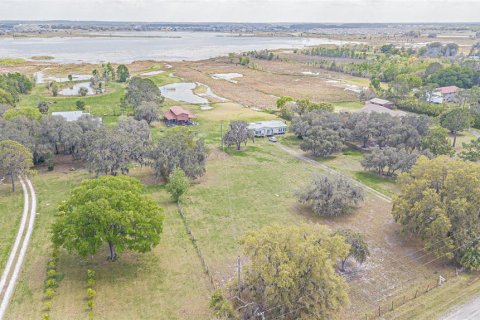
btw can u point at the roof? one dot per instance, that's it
(447, 90)
(380, 101)
(370, 107)
(169, 115)
(70, 116)
(266, 124)
(179, 110)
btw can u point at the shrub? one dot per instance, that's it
(91, 282)
(51, 273)
(220, 306)
(90, 304)
(90, 274)
(45, 316)
(91, 293)
(49, 293)
(90, 315)
(47, 305)
(51, 283)
(421, 107)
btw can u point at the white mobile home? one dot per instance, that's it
(268, 128)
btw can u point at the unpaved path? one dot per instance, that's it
(302, 157)
(20, 246)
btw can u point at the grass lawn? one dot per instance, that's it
(351, 106)
(11, 209)
(167, 283)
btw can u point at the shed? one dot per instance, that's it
(382, 102)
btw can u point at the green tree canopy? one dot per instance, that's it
(456, 120)
(30, 113)
(15, 159)
(109, 210)
(358, 246)
(178, 184)
(122, 73)
(438, 142)
(439, 203)
(291, 270)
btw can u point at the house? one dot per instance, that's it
(382, 103)
(178, 116)
(370, 107)
(267, 128)
(71, 116)
(443, 94)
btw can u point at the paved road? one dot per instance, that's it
(17, 254)
(329, 170)
(469, 311)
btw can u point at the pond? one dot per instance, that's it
(227, 76)
(182, 92)
(73, 90)
(41, 78)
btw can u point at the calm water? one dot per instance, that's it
(182, 92)
(73, 90)
(173, 46)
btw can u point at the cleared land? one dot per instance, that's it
(241, 191)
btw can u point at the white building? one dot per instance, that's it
(268, 128)
(71, 116)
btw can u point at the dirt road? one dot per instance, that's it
(20, 246)
(468, 311)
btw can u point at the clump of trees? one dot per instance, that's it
(109, 210)
(388, 161)
(456, 75)
(322, 132)
(439, 203)
(291, 270)
(437, 49)
(122, 73)
(289, 108)
(438, 142)
(15, 160)
(179, 149)
(145, 98)
(331, 196)
(12, 85)
(238, 134)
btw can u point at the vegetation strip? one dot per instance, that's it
(21, 255)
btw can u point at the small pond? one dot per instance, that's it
(73, 90)
(182, 92)
(227, 76)
(41, 78)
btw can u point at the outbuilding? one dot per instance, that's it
(381, 102)
(178, 116)
(267, 128)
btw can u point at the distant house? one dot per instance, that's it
(71, 116)
(267, 128)
(178, 116)
(382, 103)
(370, 107)
(443, 94)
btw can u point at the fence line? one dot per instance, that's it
(401, 299)
(195, 245)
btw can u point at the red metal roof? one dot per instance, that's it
(169, 115)
(447, 90)
(179, 110)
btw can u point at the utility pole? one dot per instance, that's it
(239, 267)
(221, 134)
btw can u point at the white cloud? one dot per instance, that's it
(244, 10)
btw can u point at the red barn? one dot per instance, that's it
(178, 115)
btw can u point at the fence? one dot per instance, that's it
(418, 290)
(195, 245)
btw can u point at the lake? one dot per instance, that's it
(126, 47)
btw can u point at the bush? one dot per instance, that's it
(91, 282)
(421, 107)
(90, 274)
(47, 305)
(221, 307)
(51, 273)
(51, 283)
(45, 316)
(90, 304)
(49, 293)
(91, 293)
(90, 315)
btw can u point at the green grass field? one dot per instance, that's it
(11, 208)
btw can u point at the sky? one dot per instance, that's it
(244, 10)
